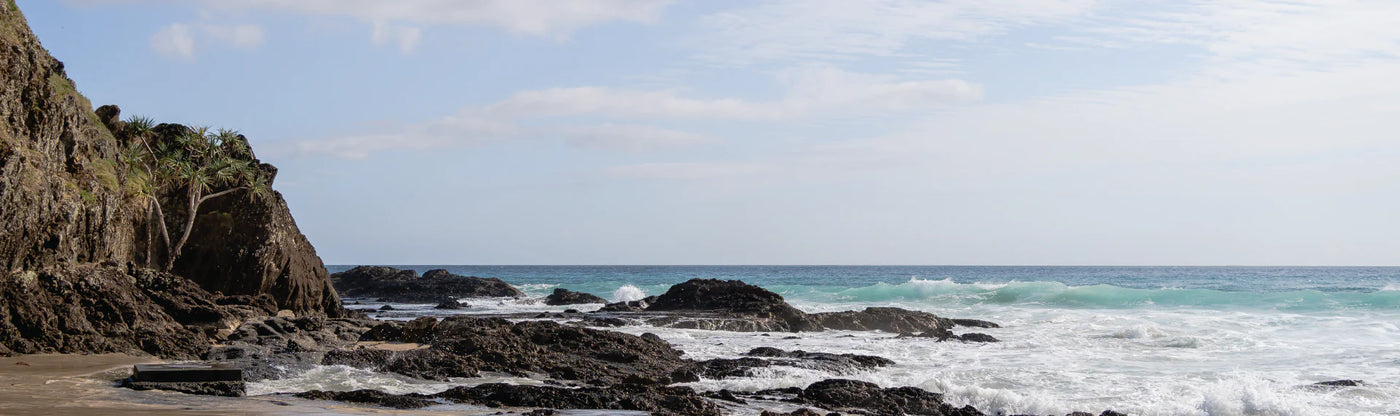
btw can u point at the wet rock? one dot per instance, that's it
(732, 297)
(721, 368)
(563, 296)
(463, 346)
(449, 304)
(394, 285)
(977, 337)
(629, 306)
(203, 388)
(275, 347)
(372, 397)
(837, 394)
(799, 412)
(896, 320)
(1333, 385)
(386, 308)
(974, 323)
(662, 400)
(1340, 383)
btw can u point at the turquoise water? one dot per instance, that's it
(1278, 288)
(1168, 341)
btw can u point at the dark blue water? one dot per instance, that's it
(1292, 288)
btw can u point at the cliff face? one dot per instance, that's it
(60, 194)
(68, 198)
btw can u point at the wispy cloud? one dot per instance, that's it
(406, 38)
(555, 19)
(181, 40)
(810, 92)
(849, 29)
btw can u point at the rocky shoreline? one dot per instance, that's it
(579, 363)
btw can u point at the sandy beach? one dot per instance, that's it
(73, 384)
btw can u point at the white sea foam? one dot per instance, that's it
(628, 293)
(1150, 361)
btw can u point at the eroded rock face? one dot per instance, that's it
(563, 296)
(92, 308)
(393, 285)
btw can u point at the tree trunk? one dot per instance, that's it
(196, 199)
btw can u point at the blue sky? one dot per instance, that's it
(785, 132)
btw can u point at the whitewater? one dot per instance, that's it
(1143, 341)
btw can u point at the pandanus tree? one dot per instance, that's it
(194, 166)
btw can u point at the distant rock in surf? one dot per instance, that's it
(393, 285)
(563, 296)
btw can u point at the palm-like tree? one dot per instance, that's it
(201, 163)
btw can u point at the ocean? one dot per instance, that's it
(1139, 340)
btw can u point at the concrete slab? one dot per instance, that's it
(168, 373)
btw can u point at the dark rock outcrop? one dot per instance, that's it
(202, 388)
(760, 357)
(448, 304)
(563, 296)
(659, 400)
(837, 394)
(628, 306)
(899, 321)
(737, 306)
(681, 401)
(93, 308)
(462, 346)
(372, 397)
(274, 347)
(393, 285)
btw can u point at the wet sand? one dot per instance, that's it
(76, 384)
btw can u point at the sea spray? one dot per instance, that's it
(628, 293)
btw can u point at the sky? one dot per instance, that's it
(1011, 132)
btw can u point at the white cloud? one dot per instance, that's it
(809, 91)
(406, 38)
(843, 29)
(555, 19)
(631, 138)
(452, 131)
(174, 41)
(180, 40)
(686, 170)
(244, 36)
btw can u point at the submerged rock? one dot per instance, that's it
(563, 296)
(393, 285)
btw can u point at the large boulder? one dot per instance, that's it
(393, 285)
(735, 298)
